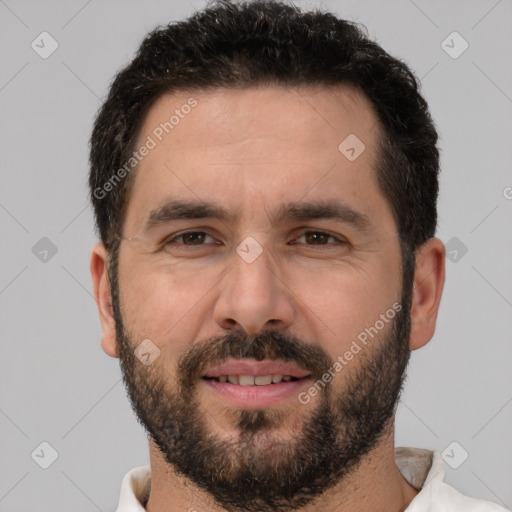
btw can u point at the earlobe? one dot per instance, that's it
(429, 279)
(103, 298)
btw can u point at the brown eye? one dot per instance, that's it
(319, 238)
(188, 238)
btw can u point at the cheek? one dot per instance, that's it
(162, 304)
(340, 303)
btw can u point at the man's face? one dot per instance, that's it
(260, 294)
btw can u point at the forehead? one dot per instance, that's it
(258, 146)
(235, 115)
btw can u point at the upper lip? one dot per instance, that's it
(256, 368)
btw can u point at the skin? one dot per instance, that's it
(250, 151)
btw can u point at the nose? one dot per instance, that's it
(254, 296)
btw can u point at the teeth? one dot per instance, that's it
(251, 380)
(246, 380)
(263, 380)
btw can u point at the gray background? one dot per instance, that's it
(56, 384)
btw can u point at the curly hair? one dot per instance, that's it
(242, 44)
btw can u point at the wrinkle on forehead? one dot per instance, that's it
(221, 106)
(265, 137)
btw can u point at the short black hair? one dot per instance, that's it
(251, 43)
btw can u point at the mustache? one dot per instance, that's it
(273, 345)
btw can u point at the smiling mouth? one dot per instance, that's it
(254, 380)
(251, 384)
(260, 391)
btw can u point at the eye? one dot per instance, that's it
(319, 238)
(201, 238)
(188, 238)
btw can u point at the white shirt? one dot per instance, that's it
(423, 469)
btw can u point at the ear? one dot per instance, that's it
(103, 297)
(428, 288)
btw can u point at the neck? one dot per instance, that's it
(375, 485)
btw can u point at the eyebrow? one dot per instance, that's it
(298, 211)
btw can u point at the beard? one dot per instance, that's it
(258, 470)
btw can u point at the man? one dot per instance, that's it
(264, 183)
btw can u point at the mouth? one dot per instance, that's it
(253, 380)
(252, 384)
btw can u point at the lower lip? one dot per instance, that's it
(256, 397)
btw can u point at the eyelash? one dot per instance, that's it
(172, 240)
